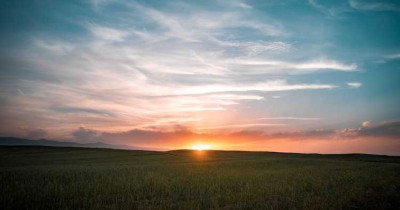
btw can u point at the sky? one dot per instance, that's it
(306, 76)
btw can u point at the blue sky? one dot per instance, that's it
(104, 68)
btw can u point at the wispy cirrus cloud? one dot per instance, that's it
(66, 109)
(328, 10)
(393, 56)
(249, 125)
(339, 7)
(354, 84)
(108, 34)
(373, 6)
(275, 66)
(289, 118)
(57, 47)
(202, 22)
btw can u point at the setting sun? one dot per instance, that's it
(201, 147)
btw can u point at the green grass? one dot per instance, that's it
(78, 178)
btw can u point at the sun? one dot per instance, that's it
(201, 147)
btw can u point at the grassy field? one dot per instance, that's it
(78, 178)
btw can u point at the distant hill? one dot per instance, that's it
(13, 141)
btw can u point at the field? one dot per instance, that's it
(78, 178)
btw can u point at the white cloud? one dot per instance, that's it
(393, 56)
(253, 48)
(196, 24)
(267, 86)
(243, 5)
(54, 46)
(354, 84)
(326, 64)
(328, 10)
(366, 124)
(289, 118)
(99, 4)
(108, 34)
(242, 126)
(276, 66)
(373, 6)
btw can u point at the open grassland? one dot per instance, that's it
(78, 178)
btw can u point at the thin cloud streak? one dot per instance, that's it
(373, 6)
(108, 34)
(289, 118)
(327, 10)
(241, 126)
(393, 56)
(354, 84)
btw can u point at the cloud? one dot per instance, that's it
(146, 137)
(66, 109)
(339, 7)
(373, 6)
(54, 46)
(204, 22)
(354, 84)
(289, 118)
(328, 10)
(243, 5)
(393, 56)
(108, 34)
(99, 2)
(268, 86)
(327, 64)
(180, 136)
(146, 66)
(230, 126)
(316, 134)
(84, 135)
(389, 129)
(253, 48)
(275, 66)
(366, 123)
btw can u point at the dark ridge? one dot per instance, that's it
(13, 141)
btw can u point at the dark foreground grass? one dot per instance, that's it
(77, 178)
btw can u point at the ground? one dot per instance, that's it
(79, 178)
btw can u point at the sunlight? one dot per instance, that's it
(201, 147)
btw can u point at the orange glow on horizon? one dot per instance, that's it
(201, 147)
